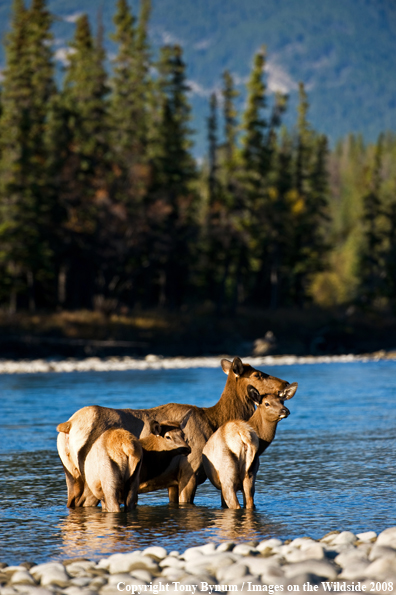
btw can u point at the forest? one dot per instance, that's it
(103, 205)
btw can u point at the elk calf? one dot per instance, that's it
(118, 462)
(231, 455)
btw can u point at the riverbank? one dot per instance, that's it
(199, 332)
(154, 362)
(338, 562)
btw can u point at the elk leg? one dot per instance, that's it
(187, 488)
(112, 506)
(111, 503)
(229, 495)
(187, 481)
(132, 489)
(248, 490)
(87, 499)
(173, 493)
(74, 489)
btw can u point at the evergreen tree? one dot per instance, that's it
(309, 207)
(84, 177)
(229, 94)
(130, 90)
(214, 220)
(173, 216)
(27, 88)
(371, 264)
(213, 145)
(254, 128)
(255, 166)
(390, 256)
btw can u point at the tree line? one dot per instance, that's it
(102, 204)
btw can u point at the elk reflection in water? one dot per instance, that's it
(87, 530)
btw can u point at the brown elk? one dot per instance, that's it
(77, 435)
(231, 455)
(118, 462)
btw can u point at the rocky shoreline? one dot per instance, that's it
(155, 362)
(338, 562)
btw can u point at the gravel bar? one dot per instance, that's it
(339, 562)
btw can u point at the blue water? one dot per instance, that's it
(331, 466)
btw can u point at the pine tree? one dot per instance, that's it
(229, 95)
(371, 263)
(309, 207)
(253, 203)
(213, 147)
(27, 88)
(84, 177)
(173, 218)
(214, 217)
(390, 257)
(130, 91)
(254, 128)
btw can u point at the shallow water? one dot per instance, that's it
(331, 465)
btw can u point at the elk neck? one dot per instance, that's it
(264, 429)
(230, 405)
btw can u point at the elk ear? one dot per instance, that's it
(155, 427)
(168, 426)
(226, 365)
(185, 419)
(237, 366)
(290, 391)
(254, 395)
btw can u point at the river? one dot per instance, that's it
(331, 465)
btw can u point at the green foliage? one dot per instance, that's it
(102, 205)
(25, 209)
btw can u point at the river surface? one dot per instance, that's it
(331, 466)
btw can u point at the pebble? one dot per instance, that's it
(339, 555)
(344, 538)
(22, 577)
(387, 537)
(367, 536)
(156, 551)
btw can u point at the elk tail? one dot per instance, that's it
(65, 427)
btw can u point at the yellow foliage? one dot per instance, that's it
(326, 289)
(338, 285)
(273, 193)
(296, 202)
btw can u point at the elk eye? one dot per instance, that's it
(168, 437)
(267, 404)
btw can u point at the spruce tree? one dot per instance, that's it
(254, 128)
(254, 245)
(213, 147)
(390, 256)
(214, 216)
(309, 206)
(229, 95)
(371, 262)
(84, 178)
(27, 88)
(130, 90)
(174, 171)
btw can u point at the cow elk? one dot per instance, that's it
(231, 455)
